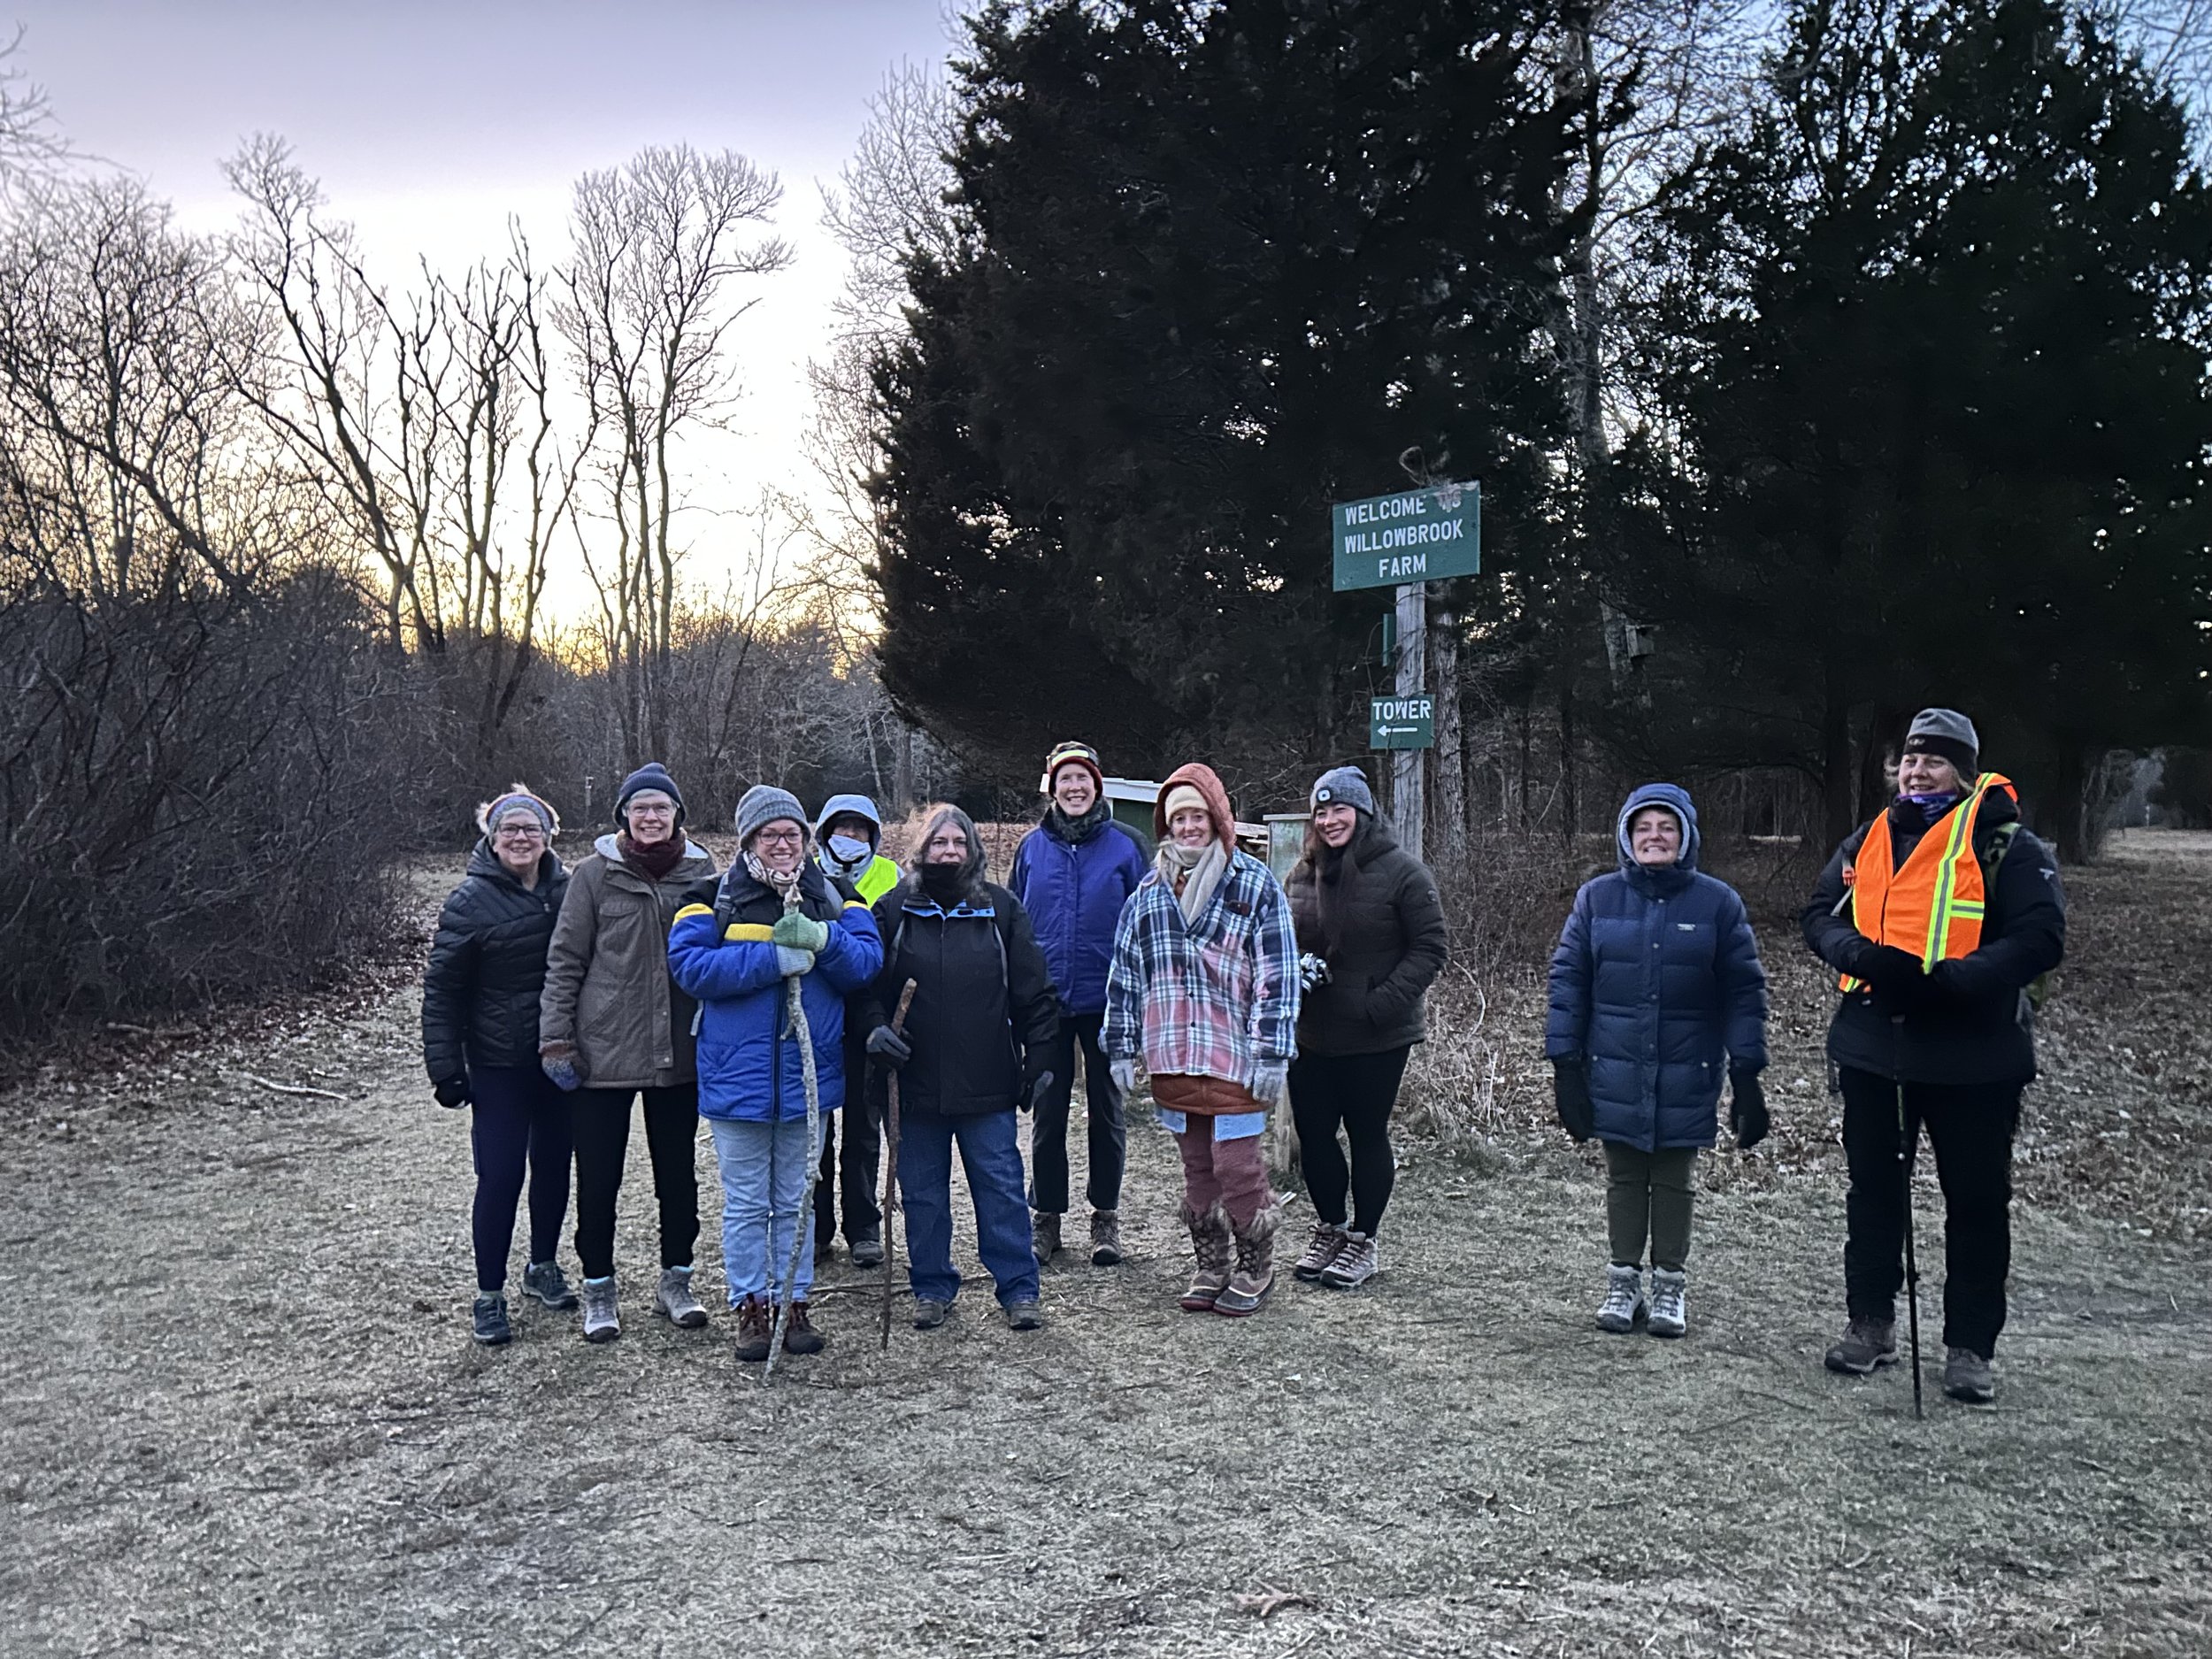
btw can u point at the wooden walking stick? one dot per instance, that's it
(891, 1162)
(804, 1035)
(1908, 1144)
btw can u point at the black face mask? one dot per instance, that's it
(941, 882)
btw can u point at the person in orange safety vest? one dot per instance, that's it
(1937, 916)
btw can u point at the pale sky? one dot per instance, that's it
(428, 124)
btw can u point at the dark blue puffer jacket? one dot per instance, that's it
(1074, 891)
(1657, 982)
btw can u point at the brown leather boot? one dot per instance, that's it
(799, 1335)
(1254, 1274)
(756, 1330)
(1211, 1241)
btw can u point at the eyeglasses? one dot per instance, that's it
(781, 837)
(519, 833)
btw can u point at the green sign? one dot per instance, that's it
(1402, 722)
(1422, 535)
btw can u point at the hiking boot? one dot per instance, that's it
(1324, 1247)
(674, 1299)
(1211, 1242)
(1966, 1375)
(1024, 1315)
(799, 1335)
(1355, 1263)
(1670, 1299)
(756, 1330)
(929, 1315)
(490, 1316)
(1044, 1236)
(1105, 1238)
(601, 1322)
(867, 1251)
(546, 1282)
(1624, 1302)
(1866, 1343)
(1254, 1274)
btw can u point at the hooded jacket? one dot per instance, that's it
(751, 1068)
(1074, 891)
(1218, 997)
(1373, 914)
(878, 875)
(1976, 1025)
(479, 991)
(1656, 983)
(607, 989)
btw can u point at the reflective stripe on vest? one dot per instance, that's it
(1932, 906)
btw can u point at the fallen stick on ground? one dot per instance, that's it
(291, 1088)
(1267, 1602)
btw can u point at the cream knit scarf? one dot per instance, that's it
(1192, 873)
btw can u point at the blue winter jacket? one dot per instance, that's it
(1074, 892)
(1656, 983)
(750, 1068)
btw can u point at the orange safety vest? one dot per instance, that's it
(1933, 905)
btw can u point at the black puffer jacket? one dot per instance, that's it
(480, 994)
(1373, 916)
(984, 1006)
(1984, 1034)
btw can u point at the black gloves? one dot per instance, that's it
(1899, 987)
(889, 1048)
(1966, 981)
(453, 1091)
(1748, 1107)
(1570, 1090)
(1035, 1092)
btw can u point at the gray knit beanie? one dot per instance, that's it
(1948, 735)
(1345, 785)
(764, 803)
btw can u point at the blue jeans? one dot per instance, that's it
(763, 1184)
(990, 1152)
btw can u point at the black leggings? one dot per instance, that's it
(1356, 1092)
(519, 1125)
(601, 1121)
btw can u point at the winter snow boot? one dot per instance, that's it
(490, 1317)
(1044, 1236)
(867, 1251)
(1324, 1247)
(1624, 1302)
(1670, 1299)
(602, 1324)
(756, 1330)
(1967, 1376)
(1255, 1276)
(1355, 1263)
(546, 1282)
(674, 1299)
(1105, 1238)
(1866, 1343)
(799, 1335)
(1211, 1242)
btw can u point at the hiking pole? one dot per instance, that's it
(804, 1033)
(1907, 1134)
(891, 1163)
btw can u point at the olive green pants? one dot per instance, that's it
(1649, 1195)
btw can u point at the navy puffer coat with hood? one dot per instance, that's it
(1656, 984)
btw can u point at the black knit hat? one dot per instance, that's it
(1947, 735)
(651, 775)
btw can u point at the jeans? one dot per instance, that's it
(519, 1119)
(763, 1186)
(862, 1160)
(990, 1152)
(1355, 1091)
(1107, 1133)
(1971, 1130)
(1649, 1195)
(599, 1119)
(1231, 1173)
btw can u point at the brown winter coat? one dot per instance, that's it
(607, 989)
(1376, 920)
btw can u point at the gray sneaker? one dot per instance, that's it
(546, 1282)
(601, 1323)
(1967, 1376)
(1669, 1303)
(1024, 1315)
(489, 1316)
(1624, 1302)
(1324, 1247)
(929, 1315)
(1355, 1263)
(867, 1251)
(674, 1299)
(1867, 1344)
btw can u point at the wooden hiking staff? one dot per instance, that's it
(891, 1162)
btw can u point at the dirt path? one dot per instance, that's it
(242, 1416)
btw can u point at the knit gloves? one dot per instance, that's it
(891, 1050)
(557, 1060)
(1125, 1075)
(796, 929)
(1269, 1078)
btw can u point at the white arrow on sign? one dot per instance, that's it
(1392, 731)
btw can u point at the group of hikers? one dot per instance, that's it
(785, 994)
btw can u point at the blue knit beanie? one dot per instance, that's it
(1344, 786)
(763, 803)
(651, 775)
